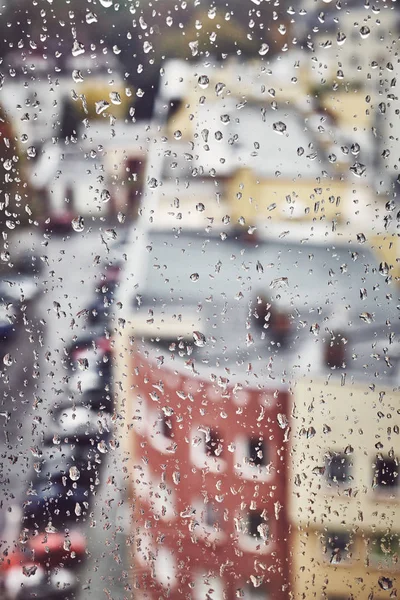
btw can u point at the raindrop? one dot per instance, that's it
(194, 277)
(366, 317)
(279, 127)
(106, 3)
(279, 282)
(203, 81)
(199, 338)
(91, 18)
(385, 583)
(194, 47)
(77, 76)
(219, 88)
(77, 48)
(78, 509)
(358, 169)
(282, 420)
(361, 239)
(10, 224)
(263, 50)
(177, 134)
(31, 152)
(315, 328)
(365, 31)
(101, 106)
(78, 224)
(147, 47)
(115, 98)
(105, 196)
(153, 183)
(74, 473)
(7, 360)
(341, 38)
(384, 269)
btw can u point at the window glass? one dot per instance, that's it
(199, 299)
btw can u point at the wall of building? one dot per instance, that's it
(361, 424)
(174, 481)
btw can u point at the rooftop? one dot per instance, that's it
(200, 293)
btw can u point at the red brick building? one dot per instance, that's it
(209, 484)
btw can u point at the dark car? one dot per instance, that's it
(57, 499)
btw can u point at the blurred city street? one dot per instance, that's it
(33, 379)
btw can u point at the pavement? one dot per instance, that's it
(32, 378)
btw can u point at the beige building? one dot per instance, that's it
(344, 499)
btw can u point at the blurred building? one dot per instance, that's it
(257, 149)
(344, 467)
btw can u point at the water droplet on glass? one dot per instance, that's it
(106, 3)
(263, 50)
(77, 76)
(384, 268)
(279, 282)
(77, 48)
(203, 81)
(219, 88)
(101, 106)
(358, 169)
(115, 98)
(91, 18)
(194, 277)
(315, 328)
(153, 183)
(366, 317)
(74, 473)
(279, 127)
(194, 47)
(177, 134)
(78, 224)
(7, 360)
(105, 196)
(282, 420)
(385, 583)
(83, 364)
(365, 31)
(121, 217)
(78, 509)
(10, 224)
(341, 38)
(147, 47)
(199, 338)
(31, 152)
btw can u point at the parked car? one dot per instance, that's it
(21, 280)
(60, 222)
(57, 500)
(94, 374)
(54, 549)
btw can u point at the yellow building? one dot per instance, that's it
(344, 501)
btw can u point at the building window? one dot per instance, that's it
(338, 468)
(386, 473)
(213, 444)
(213, 516)
(166, 426)
(257, 527)
(250, 592)
(385, 550)
(336, 546)
(257, 451)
